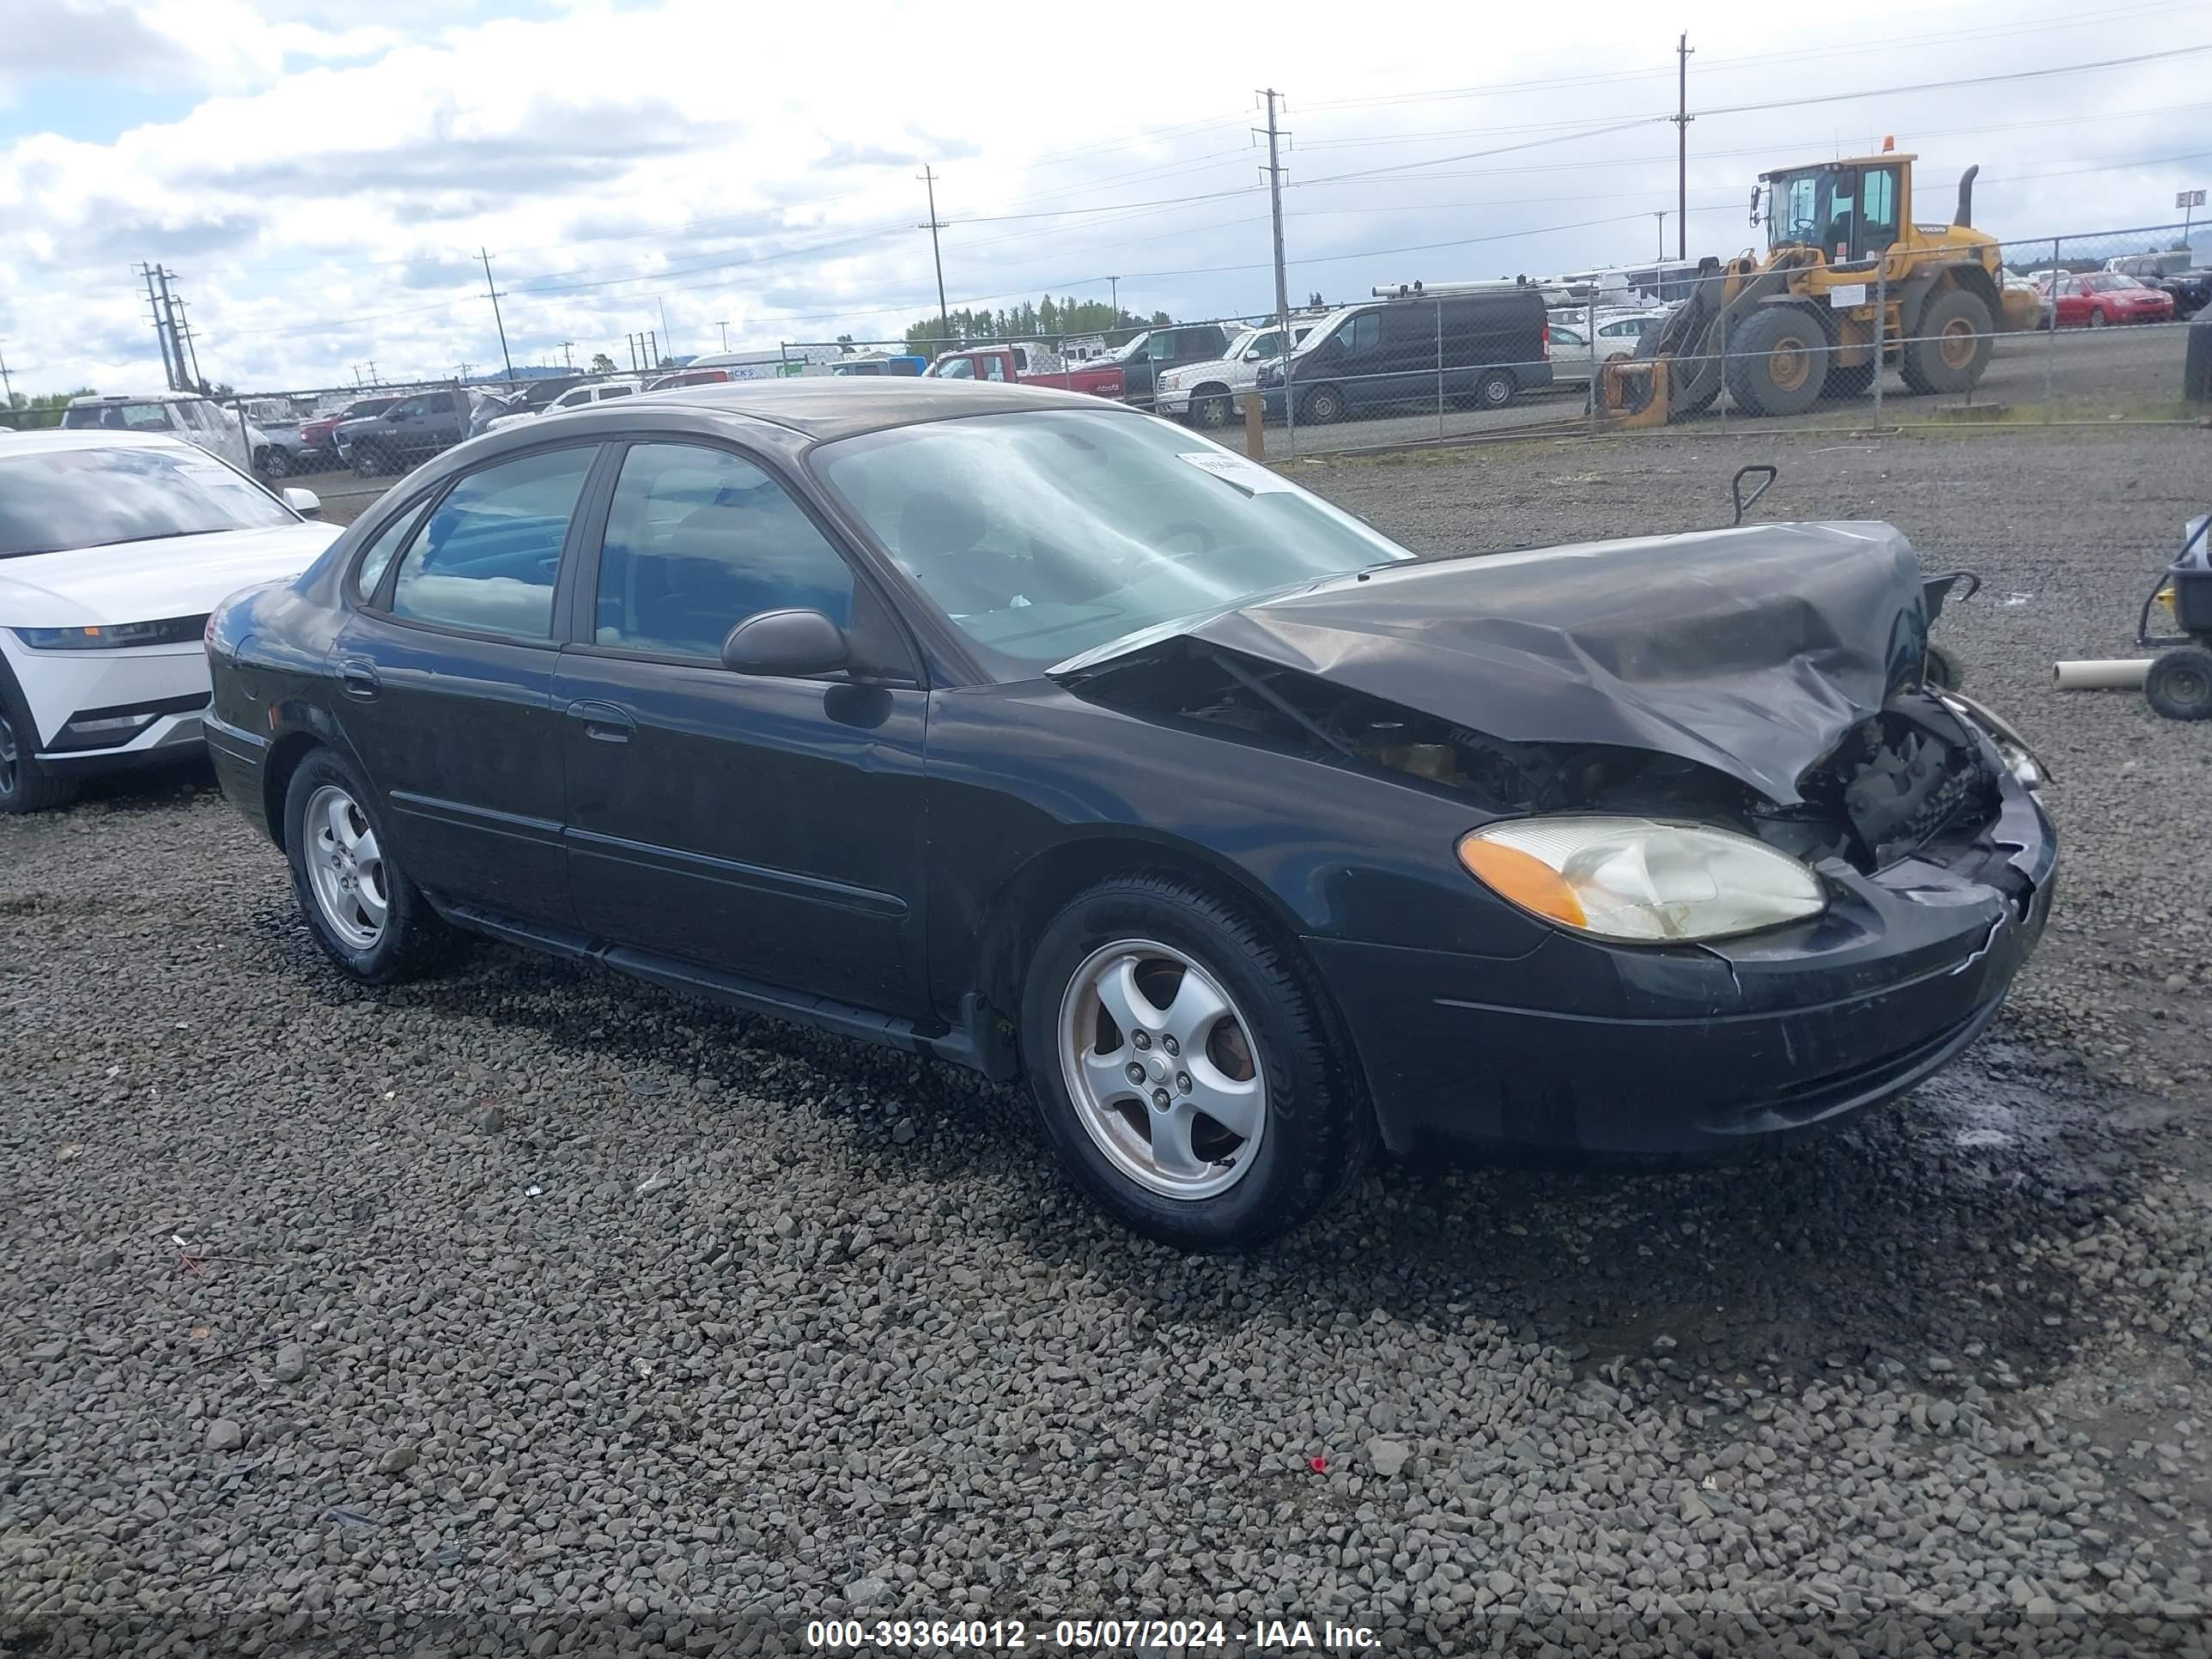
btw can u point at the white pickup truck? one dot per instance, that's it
(1205, 394)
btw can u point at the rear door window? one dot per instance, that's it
(487, 556)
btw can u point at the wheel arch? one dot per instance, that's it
(1026, 902)
(303, 728)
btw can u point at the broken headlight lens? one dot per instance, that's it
(1641, 881)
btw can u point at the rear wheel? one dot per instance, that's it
(368, 917)
(2097, 317)
(1950, 344)
(1777, 361)
(25, 786)
(1494, 390)
(1323, 405)
(2179, 684)
(275, 462)
(1183, 1066)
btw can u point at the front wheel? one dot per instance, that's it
(25, 786)
(1183, 1068)
(1210, 408)
(276, 463)
(2098, 319)
(368, 917)
(367, 460)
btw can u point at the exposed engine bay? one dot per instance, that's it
(1910, 775)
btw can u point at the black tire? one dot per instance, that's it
(1319, 1132)
(2179, 684)
(1940, 670)
(415, 940)
(2096, 319)
(1322, 406)
(275, 462)
(1777, 361)
(1210, 407)
(1933, 359)
(1853, 382)
(25, 786)
(1495, 390)
(2197, 363)
(367, 460)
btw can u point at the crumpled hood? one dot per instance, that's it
(1751, 650)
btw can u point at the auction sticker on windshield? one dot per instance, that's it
(1248, 476)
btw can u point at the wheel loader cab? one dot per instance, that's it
(1850, 211)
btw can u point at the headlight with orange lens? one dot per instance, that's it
(1639, 881)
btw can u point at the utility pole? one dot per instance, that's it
(1661, 215)
(1282, 280)
(464, 368)
(725, 327)
(7, 385)
(652, 350)
(372, 371)
(1116, 290)
(568, 356)
(664, 326)
(185, 333)
(495, 316)
(1682, 117)
(944, 316)
(161, 334)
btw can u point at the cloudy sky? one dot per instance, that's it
(322, 191)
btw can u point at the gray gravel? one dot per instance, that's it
(529, 1310)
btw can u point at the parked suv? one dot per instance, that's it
(2175, 273)
(199, 421)
(1480, 349)
(1153, 353)
(409, 430)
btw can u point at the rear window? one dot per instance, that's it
(120, 417)
(83, 498)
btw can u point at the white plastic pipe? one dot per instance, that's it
(2118, 674)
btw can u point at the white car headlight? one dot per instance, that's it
(1640, 881)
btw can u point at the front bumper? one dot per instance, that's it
(1171, 400)
(1589, 1048)
(97, 711)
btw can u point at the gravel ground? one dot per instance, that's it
(529, 1310)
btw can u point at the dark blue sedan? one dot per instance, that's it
(1039, 735)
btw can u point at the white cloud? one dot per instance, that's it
(324, 200)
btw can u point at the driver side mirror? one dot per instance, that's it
(305, 502)
(1754, 203)
(791, 644)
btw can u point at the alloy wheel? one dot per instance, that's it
(1161, 1069)
(11, 759)
(345, 868)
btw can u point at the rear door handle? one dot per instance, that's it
(357, 678)
(604, 723)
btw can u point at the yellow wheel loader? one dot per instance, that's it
(1782, 331)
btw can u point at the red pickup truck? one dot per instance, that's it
(1027, 365)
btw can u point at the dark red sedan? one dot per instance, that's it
(2098, 298)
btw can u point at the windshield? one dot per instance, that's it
(1045, 534)
(2104, 282)
(78, 498)
(1242, 343)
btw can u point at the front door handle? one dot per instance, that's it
(357, 679)
(604, 722)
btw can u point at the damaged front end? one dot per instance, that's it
(1918, 772)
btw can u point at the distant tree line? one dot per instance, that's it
(44, 410)
(1043, 320)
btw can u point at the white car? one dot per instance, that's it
(1206, 393)
(1575, 355)
(198, 421)
(114, 547)
(576, 396)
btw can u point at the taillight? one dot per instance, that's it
(1547, 339)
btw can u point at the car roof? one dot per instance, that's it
(93, 437)
(96, 399)
(830, 407)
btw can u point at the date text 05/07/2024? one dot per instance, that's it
(1185, 1635)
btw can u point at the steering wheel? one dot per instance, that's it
(1168, 532)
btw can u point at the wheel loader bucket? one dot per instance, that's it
(1632, 394)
